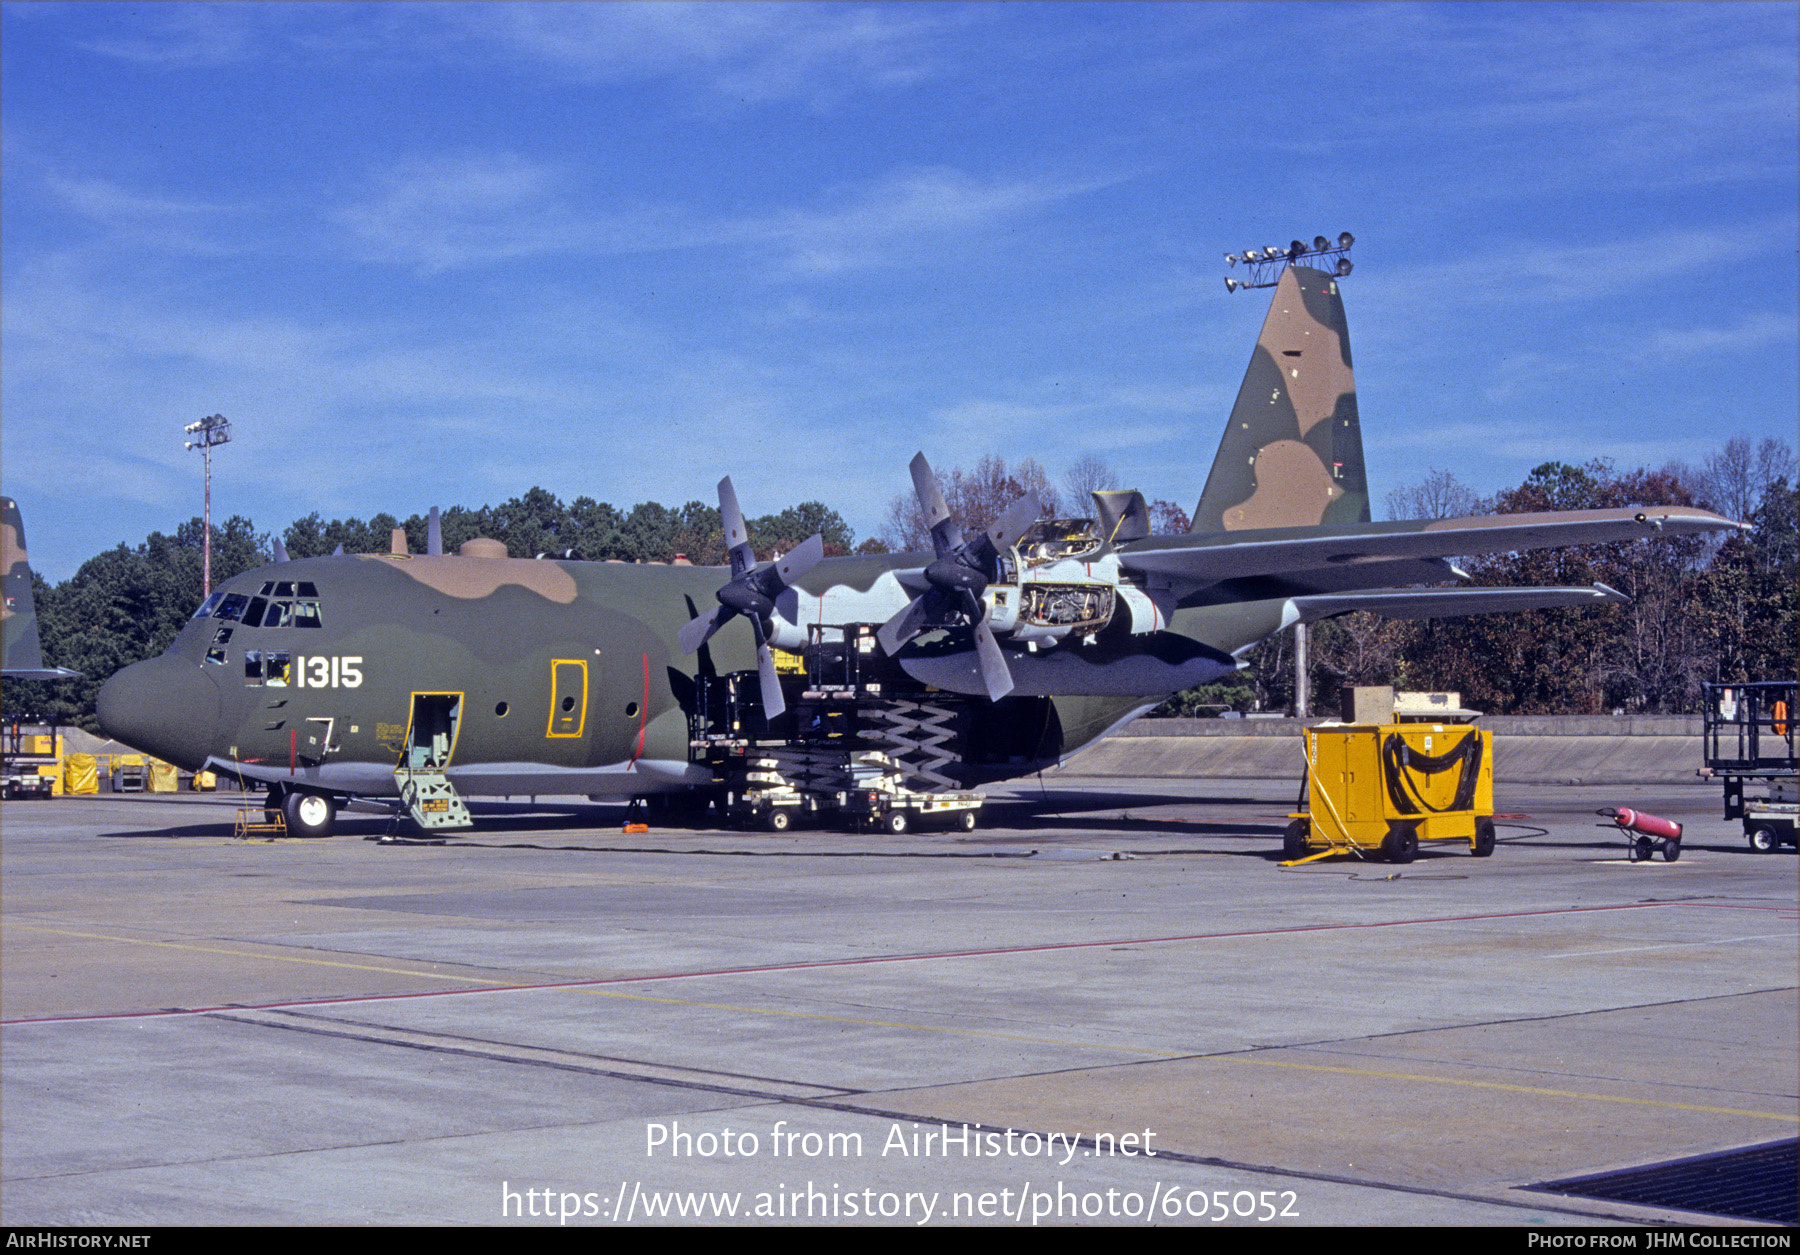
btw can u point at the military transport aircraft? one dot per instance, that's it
(431, 676)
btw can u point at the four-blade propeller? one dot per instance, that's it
(963, 569)
(752, 593)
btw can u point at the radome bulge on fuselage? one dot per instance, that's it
(319, 677)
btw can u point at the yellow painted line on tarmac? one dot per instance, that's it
(1169, 1054)
(1420, 1078)
(252, 954)
(1514, 1089)
(851, 1019)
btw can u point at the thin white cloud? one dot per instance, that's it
(1754, 331)
(466, 210)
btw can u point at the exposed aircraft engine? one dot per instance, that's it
(1075, 607)
(958, 579)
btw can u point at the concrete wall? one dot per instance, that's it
(1528, 749)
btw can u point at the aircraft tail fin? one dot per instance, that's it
(21, 654)
(1292, 452)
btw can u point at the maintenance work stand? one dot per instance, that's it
(851, 749)
(1748, 745)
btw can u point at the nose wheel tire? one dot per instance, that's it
(308, 814)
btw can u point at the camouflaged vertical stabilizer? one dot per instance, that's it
(19, 648)
(1292, 453)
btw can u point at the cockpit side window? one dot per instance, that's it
(232, 607)
(306, 614)
(253, 666)
(210, 604)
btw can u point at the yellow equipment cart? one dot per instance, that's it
(1381, 789)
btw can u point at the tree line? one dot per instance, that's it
(1719, 609)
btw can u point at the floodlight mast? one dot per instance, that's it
(214, 430)
(1266, 264)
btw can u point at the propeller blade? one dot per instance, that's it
(767, 680)
(772, 701)
(1012, 523)
(434, 534)
(697, 631)
(806, 555)
(280, 550)
(903, 626)
(737, 537)
(339, 551)
(991, 662)
(946, 533)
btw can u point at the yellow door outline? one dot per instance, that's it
(579, 716)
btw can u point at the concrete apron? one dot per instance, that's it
(1576, 750)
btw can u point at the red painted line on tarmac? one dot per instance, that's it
(836, 963)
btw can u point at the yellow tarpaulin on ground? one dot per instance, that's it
(203, 781)
(163, 777)
(80, 774)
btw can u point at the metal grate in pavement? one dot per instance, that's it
(1751, 1183)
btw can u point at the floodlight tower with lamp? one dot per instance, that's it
(206, 433)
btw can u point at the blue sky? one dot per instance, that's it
(444, 253)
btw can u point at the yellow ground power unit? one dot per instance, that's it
(1381, 789)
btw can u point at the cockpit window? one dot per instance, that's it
(307, 589)
(232, 607)
(306, 614)
(210, 604)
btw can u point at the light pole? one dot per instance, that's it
(207, 433)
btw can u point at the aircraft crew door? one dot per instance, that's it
(431, 734)
(430, 741)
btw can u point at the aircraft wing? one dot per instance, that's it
(1199, 560)
(1443, 603)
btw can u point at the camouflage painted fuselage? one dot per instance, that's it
(569, 676)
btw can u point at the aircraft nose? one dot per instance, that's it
(166, 707)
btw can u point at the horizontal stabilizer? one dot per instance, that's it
(1444, 603)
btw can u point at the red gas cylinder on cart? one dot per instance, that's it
(1649, 825)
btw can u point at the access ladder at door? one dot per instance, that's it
(431, 799)
(425, 790)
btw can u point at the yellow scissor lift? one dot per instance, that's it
(1378, 787)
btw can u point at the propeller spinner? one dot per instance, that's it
(751, 593)
(958, 577)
